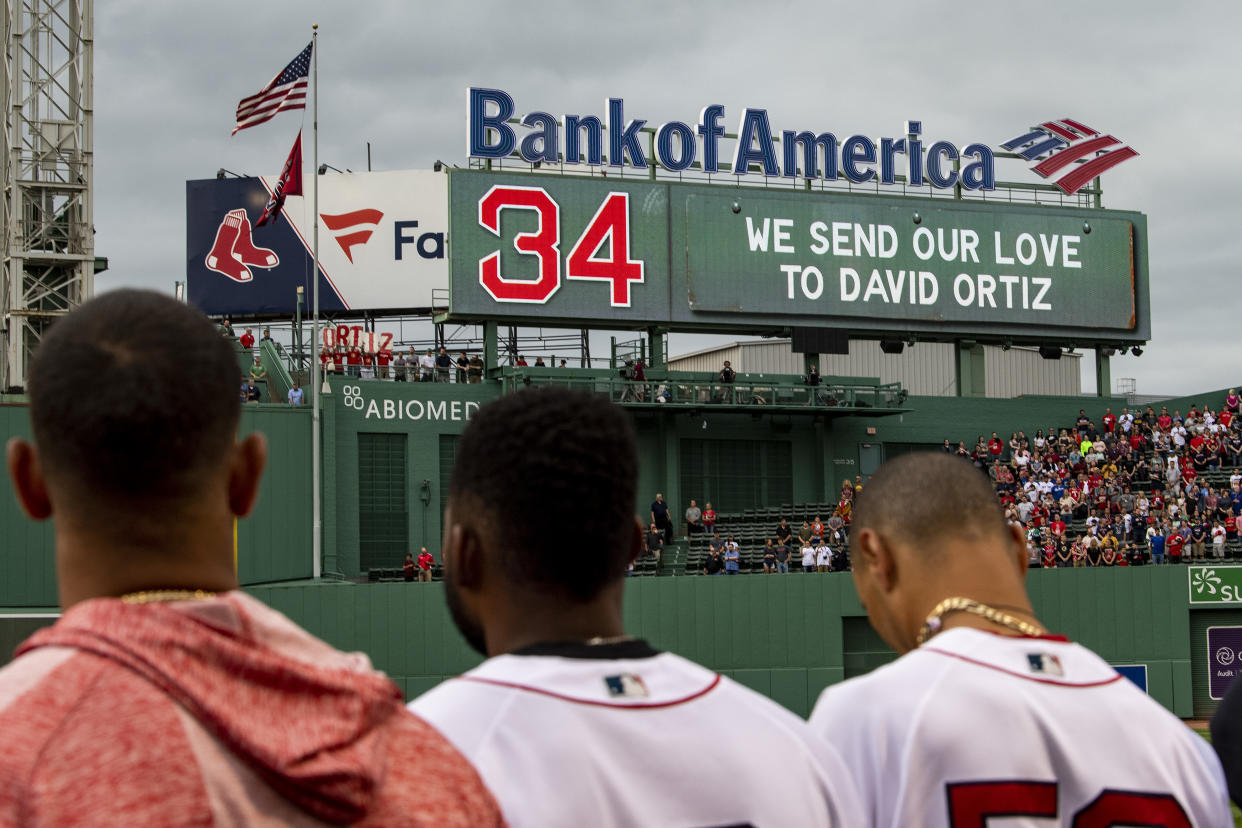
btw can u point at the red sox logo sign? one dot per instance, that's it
(234, 251)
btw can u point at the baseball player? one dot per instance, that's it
(986, 718)
(571, 721)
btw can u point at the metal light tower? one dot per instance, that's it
(48, 143)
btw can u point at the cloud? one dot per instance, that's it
(1159, 76)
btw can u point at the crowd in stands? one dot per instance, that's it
(1130, 489)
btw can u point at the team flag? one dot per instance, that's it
(285, 91)
(289, 183)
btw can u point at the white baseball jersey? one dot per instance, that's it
(623, 735)
(1033, 732)
(823, 555)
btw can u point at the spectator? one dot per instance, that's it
(253, 393)
(782, 557)
(427, 367)
(425, 563)
(726, 377)
(338, 360)
(716, 542)
(804, 533)
(247, 339)
(325, 358)
(257, 371)
(563, 365)
(267, 336)
(660, 517)
(353, 362)
(694, 517)
(408, 568)
(368, 365)
(463, 366)
(295, 394)
(783, 532)
(655, 542)
(1174, 544)
(226, 329)
(817, 529)
(521, 361)
(732, 557)
(539, 363)
(823, 557)
(383, 358)
(475, 369)
(444, 364)
(1198, 540)
(1218, 540)
(193, 703)
(714, 564)
(709, 518)
(808, 558)
(769, 557)
(995, 447)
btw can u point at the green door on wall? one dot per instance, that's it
(870, 458)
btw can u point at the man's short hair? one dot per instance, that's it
(133, 396)
(927, 497)
(551, 450)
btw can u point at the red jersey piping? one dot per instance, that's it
(969, 660)
(640, 706)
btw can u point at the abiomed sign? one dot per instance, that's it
(1215, 584)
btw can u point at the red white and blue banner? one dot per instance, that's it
(382, 243)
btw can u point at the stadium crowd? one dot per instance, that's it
(1135, 488)
(1130, 489)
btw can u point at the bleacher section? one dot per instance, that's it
(751, 528)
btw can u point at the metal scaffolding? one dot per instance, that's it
(48, 139)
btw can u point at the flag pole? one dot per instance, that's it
(316, 504)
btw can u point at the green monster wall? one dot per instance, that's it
(786, 636)
(273, 544)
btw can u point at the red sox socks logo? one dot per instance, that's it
(234, 251)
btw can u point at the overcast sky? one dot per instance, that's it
(1162, 77)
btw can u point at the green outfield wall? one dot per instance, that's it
(786, 636)
(273, 544)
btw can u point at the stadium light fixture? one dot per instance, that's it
(323, 169)
(892, 346)
(222, 173)
(1049, 352)
(1137, 351)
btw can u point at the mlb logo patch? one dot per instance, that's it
(626, 686)
(1045, 664)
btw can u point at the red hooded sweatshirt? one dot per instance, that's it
(218, 711)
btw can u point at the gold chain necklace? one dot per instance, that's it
(935, 621)
(152, 596)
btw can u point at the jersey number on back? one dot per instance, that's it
(971, 804)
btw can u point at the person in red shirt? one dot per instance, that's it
(247, 339)
(165, 695)
(408, 568)
(425, 563)
(1110, 420)
(1225, 419)
(382, 359)
(521, 361)
(1164, 422)
(1188, 475)
(338, 360)
(1174, 545)
(995, 446)
(353, 360)
(325, 356)
(709, 518)
(1057, 527)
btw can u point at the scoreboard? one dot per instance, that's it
(621, 253)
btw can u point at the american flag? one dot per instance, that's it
(285, 91)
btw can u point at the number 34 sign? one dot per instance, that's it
(586, 260)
